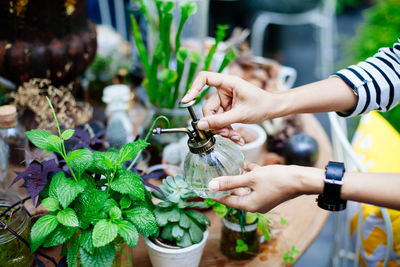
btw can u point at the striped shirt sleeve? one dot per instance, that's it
(376, 81)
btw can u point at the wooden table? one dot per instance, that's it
(305, 220)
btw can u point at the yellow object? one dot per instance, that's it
(377, 144)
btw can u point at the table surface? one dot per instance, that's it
(304, 222)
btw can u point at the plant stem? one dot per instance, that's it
(147, 138)
(63, 152)
(126, 255)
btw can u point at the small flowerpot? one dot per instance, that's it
(168, 256)
(231, 232)
(14, 252)
(255, 138)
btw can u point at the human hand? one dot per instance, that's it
(235, 101)
(263, 188)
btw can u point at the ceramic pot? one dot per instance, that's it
(251, 150)
(175, 257)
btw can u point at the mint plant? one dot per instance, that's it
(92, 217)
(180, 225)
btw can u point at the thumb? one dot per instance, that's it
(218, 121)
(229, 182)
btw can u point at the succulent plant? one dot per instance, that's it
(179, 223)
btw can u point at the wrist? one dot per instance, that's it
(282, 104)
(309, 180)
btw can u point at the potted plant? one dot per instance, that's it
(183, 230)
(95, 204)
(240, 231)
(171, 68)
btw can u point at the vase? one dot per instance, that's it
(231, 232)
(45, 39)
(167, 256)
(13, 251)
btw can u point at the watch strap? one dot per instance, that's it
(330, 198)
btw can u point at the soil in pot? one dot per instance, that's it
(231, 233)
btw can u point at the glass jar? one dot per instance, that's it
(224, 159)
(231, 232)
(14, 252)
(13, 135)
(3, 162)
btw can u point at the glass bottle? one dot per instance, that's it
(209, 156)
(13, 135)
(13, 251)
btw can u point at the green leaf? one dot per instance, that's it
(59, 236)
(199, 217)
(128, 233)
(103, 256)
(161, 216)
(42, 228)
(195, 232)
(65, 189)
(220, 209)
(174, 215)
(185, 241)
(283, 221)
(50, 204)
(128, 182)
(184, 221)
(177, 232)
(68, 217)
(129, 151)
(109, 204)
(115, 213)
(104, 232)
(101, 164)
(86, 241)
(112, 155)
(40, 138)
(72, 255)
(80, 160)
(166, 232)
(91, 200)
(125, 202)
(67, 134)
(143, 219)
(55, 142)
(241, 246)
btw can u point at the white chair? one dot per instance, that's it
(322, 18)
(342, 251)
(120, 20)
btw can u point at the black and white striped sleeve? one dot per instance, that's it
(376, 81)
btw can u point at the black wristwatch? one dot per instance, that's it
(330, 198)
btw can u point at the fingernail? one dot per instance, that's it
(235, 138)
(203, 125)
(213, 186)
(185, 98)
(241, 142)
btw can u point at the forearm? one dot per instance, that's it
(379, 189)
(331, 94)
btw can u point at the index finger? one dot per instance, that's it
(204, 78)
